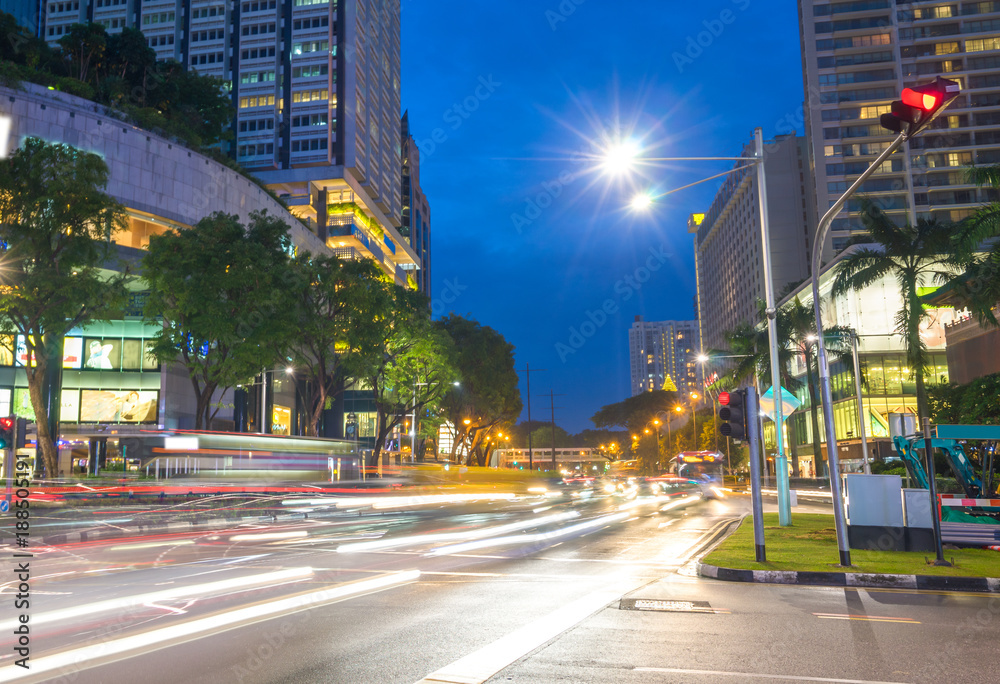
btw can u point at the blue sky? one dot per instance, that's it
(507, 101)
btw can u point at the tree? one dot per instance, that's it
(57, 224)
(332, 300)
(912, 255)
(84, 46)
(634, 412)
(796, 334)
(410, 370)
(488, 397)
(219, 289)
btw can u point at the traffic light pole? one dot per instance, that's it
(753, 439)
(824, 368)
(780, 460)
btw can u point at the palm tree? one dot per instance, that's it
(802, 324)
(914, 256)
(978, 286)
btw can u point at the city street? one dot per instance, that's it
(529, 590)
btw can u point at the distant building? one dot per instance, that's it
(663, 355)
(28, 13)
(728, 252)
(416, 226)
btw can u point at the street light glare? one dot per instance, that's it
(702, 358)
(621, 156)
(641, 202)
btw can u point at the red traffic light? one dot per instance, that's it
(724, 398)
(927, 101)
(6, 423)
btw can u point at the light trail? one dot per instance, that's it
(529, 538)
(132, 602)
(109, 651)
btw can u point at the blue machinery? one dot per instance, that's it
(911, 450)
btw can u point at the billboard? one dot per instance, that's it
(110, 406)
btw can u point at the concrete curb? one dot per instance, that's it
(853, 579)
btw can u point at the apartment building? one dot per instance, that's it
(416, 211)
(663, 355)
(316, 87)
(857, 57)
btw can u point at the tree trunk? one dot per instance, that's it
(814, 416)
(45, 442)
(793, 443)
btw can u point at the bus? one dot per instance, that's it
(703, 467)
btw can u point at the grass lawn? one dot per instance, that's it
(810, 543)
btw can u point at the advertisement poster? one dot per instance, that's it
(72, 352)
(102, 354)
(22, 352)
(132, 355)
(108, 406)
(149, 361)
(22, 404)
(69, 406)
(6, 350)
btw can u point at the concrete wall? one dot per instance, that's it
(148, 173)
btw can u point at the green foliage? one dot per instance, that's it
(57, 223)
(220, 289)
(489, 395)
(120, 70)
(331, 302)
(914, 256)
(541, 438)
(975, 403)
(633, 413)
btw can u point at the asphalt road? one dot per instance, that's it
(527, 590)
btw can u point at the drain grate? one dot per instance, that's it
(667, 606)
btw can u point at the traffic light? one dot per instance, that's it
(919, 106)
(7, 432)
(732, 413)
(20, 433)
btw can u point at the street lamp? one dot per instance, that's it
(620, 155)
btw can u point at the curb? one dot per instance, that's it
(853, 579)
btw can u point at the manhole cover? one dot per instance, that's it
(666, 606)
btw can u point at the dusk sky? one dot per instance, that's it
(507, 102)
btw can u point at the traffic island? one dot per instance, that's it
(806, 553)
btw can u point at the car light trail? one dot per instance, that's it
(131, 602)
(268, 536)
(453, 536)
(79, 658)
(528, 538)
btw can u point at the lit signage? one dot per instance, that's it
(5, 126)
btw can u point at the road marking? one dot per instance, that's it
(479, 666)
(796, 678)
(110, 651)
(868, 618)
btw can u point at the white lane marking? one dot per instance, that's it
(180, 592)
(479, 666)
(797, 678)
(109, 651)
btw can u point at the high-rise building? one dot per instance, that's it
(316, 87)
(416, 212)
(663, 355)
(728, 252)
(857, 57)
(27, 13)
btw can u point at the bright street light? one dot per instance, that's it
(641, 202)
(701, 358)
(620, 157)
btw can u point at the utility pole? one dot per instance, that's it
(552, 403)
(527, 374)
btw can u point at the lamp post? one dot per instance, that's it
(624, 155)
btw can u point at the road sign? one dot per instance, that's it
(4, 505)
(788, 403)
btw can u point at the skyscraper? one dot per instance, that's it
(857, 57)
(316, 87)
(662, 355)
(416, 212)
(729, 267)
